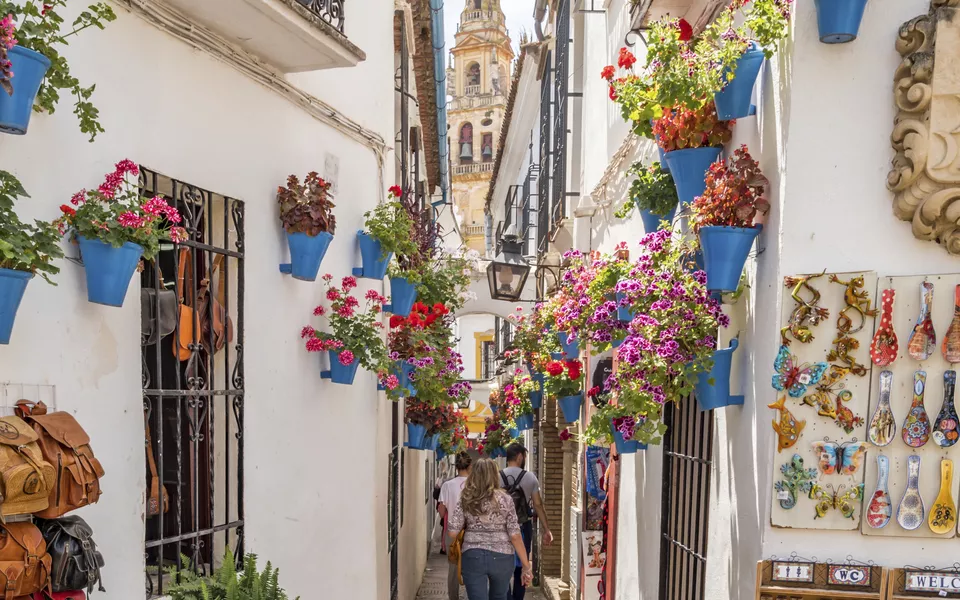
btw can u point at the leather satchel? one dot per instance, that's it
(210, 307)
(188, 318)
(154, 324)
(74, 556)
(455, 553)
(65, 446)
(27, 478)
(157, 499)
(24, 562)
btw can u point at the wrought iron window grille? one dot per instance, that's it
(331, 11)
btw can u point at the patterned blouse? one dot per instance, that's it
(490, 530)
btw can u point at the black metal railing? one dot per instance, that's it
(561, 75)
(543, 184)
(528, 207)
(330, 11)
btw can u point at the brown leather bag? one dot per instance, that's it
(27, 478)
(210, 306)
(24, 561)
(66, 446)
(157, 499)
(189, 318)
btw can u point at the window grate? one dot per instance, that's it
(543, 183)
(687, 461)
(194, 406)
(561, 75)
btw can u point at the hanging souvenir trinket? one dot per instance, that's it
(788, 428)
(845, 501)
(910, 511)
(846, 419)
(829, 398)
(951, 340)
(858, 303)
(885, 346)
(923, 340)
(792, 378)
(880, 508)
(916, 426)
(839, 459)
(807, 313)
(842, 351)
(943, 515)
(883, 424)
(797, 480)
(945, 429)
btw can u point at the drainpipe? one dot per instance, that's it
(440, 77)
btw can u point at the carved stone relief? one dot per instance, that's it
(925, 175)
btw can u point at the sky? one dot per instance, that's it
(519, 15)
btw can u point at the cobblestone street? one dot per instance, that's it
(434, 584)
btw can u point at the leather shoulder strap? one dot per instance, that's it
(184, 263)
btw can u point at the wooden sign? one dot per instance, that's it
(793, 580)
(931, 581)
(855, 575)
(792, 571)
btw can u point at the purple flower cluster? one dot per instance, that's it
(460, 389)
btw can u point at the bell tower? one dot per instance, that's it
(479, 82)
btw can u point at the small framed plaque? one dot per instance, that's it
(793, 572)
(853, 575)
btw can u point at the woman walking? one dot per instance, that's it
(488, 518)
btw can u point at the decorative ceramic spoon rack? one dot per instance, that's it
(951, 341)
(923, 340)
(945, 430)
(883, 424)
(910, 512)
(943, 515)
(916, 427)
(885, 346)
(880, 508)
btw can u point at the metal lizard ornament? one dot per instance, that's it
(807, 312)
(829, 397)
(796, 480)
(857, 302)
(843, 346)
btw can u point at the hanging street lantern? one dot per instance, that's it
(507, 273)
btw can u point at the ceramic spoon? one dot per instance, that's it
(951, 341)
(916, 427)
(923, 340)
(945, 430)
(885, 346)
(880, 509)
(883, 425)
(943, 515)
(910, 512)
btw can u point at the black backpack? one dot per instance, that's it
(76, 561)
(519, 498)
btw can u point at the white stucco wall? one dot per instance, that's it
(316, 454)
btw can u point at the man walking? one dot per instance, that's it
(524, 488)
(449, 498)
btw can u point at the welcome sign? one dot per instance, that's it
(932, 581)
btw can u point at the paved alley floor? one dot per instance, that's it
(434, 584)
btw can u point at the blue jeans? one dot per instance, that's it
(486, 575)
(526, 531)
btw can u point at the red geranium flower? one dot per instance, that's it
(395, 191)
(554, 368)
(565, 434)
(440, 309)
(431, 319)
(626, 59)
(420, 307)
(686, 31)
(67, 210)
(396, 321)
(613, 93)
(607, 72)
(593, 391)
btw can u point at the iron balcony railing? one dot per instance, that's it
(517, 214)
(330, 11)
(560, 91)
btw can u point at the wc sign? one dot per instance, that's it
(932, 581)
(854, 575)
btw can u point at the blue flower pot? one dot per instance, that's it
(536, 399)
(431, 441)
(625, 446)
(12, 286)
(29, 68)
(571, 350)
(717, 394)
(441, 454)
(513, 432)
(403, 369)
(342, 374)
(402, 296)
(525, 422)
(498, 453)
(652, 223)
(108, 270)
(556, 355)
(570, 406)
(416, 435)
(734, 101)
(306, 254)
(617, 343)
(838, 20)
(374, 264)
(663, 164)
(725, 251)
(689, 169)
(624, 313)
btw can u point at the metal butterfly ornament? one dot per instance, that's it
(844, 501)
(795, 378)
(840, 459)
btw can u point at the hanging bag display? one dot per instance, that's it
(188, 318)
(154, 324)
(27, 479)
(210, 307)
(24, 562)
(75, 559)
(157, 499)
(76, 472)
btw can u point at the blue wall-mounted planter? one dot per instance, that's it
(725, 251)
(571, 350)
(402, 296)
(624, 313)
(536, 399)
(29, 68)
(839, 20)
(556, 355)
(108, 270)
(689, 169)
(525, 422)
(653, 223)
(416, 435)
(441, 454)
(306, 254)
(374, 264)
(498, 453)
(403, 369)
(734, 101)
(12, 286)
(431, 441)
(513, 432)
(718, 395)
(570, 406)
(625, 446)
(338, 373)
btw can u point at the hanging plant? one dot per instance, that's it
(307, 207)
(734, 194)
(454, 440)
(684, 128)
(389, 224)
(31, 248)
(652, 191)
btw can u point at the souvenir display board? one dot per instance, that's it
(820, 400)
(797, 580)
(916, 582)
(910, 487)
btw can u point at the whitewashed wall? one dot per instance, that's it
(316, 454)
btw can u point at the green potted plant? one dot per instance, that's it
(496, 437)
(25, 250)
(115, 227)
(41, 73)
(516, 396)
(614, 424)
(652, 193)
(724, 215)
(306, 213)
(355, 338)
(691, 140)
(387, 231)
(226, 583)
(564, 381)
